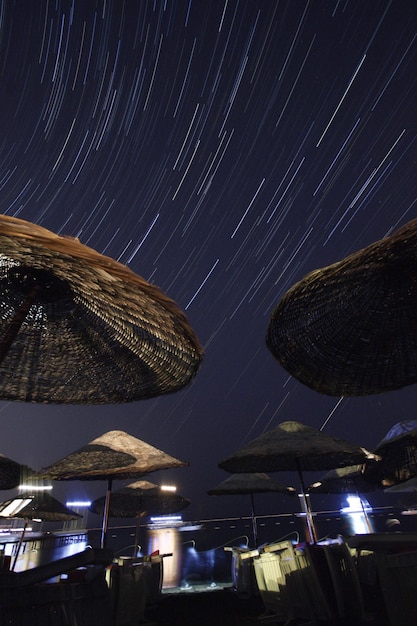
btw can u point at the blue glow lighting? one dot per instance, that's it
(357, 511)
(165, 519)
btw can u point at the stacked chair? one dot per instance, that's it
(314, 582)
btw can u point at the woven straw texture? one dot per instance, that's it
(398, 452)
(95, 332)
(294, 446)
(348, 479)
(12, 473)
(139, 499)
(45, 507)
(115, 454)
(350, 329)
(249, 483)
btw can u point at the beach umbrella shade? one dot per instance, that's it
(345, 480)
(349, 479)
(398, 452)
(249, 484)
(78, 327)
(408, 486)
(350, 329)
(12, 474)
(139, 499)
(113, 455)
(39, 505)
(407, 503)
(293, 446)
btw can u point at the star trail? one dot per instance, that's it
(222, 150)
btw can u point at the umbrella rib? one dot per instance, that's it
(106, 513)
(17, 321)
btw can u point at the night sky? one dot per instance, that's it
(222, 150)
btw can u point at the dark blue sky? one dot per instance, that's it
(222, 150)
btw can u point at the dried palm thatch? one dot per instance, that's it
(12, 473)
(294, 446)
(297, 447)
(247, 483)
(398, 452)
(138, 500)
(346, 480)
(349, 329)
(79, 327)
(141, 498)
(41, 505)
(349, 479)
(114, 454)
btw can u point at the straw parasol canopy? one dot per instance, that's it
(113, 455)
(349, 479)
(139, 499)
(12, 473)
(257, 482)
(398, 452)
(39, 505)
(296, 447)
(345, 480)
(79, 327)
(349, 329)
(408, 486)
(249, 484)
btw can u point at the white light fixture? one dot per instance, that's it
(25, 487)
(14, 506)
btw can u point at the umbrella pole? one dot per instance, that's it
(136, 547)
(19, 545)
(17, 321)
(306, 507)
(106, 514)
(254, 525)
(367, 522)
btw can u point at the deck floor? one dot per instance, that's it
(204, 606)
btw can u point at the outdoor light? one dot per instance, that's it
(14, 506)
(25, 487)
(168, 488)
(78, 503)
(357, 512)
(166, 519)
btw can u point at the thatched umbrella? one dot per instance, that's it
(140, 499)
(347, 480)
(12, 474)
(349, 329)
(39, 505)
(398, 452)
(296, 447)
(79, 327)
(249, 484)
(114, 454)
(408, 486)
